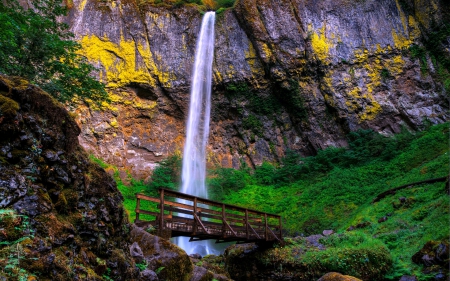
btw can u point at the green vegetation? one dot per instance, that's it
(36, 46)
(166, 175)
(434, 47)
(335, 188)
(15, 235)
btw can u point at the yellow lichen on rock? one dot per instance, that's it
(363, 104)
(120, 61)
(252, 58)
(320, 44)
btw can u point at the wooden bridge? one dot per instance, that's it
(177, 214)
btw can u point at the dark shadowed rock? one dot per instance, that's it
(40, 191)
(408, 278)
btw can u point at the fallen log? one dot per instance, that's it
(394, 190)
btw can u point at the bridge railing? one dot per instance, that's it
(200, 218)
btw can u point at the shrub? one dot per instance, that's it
(166, 175)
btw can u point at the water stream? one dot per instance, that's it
(194, 156)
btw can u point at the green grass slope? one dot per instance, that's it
(342, 198)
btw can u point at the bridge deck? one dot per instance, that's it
(178, 214)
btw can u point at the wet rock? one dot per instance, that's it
(334, 276)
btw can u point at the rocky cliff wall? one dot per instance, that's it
(61, 216)
(288, 74)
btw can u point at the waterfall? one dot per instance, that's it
(194, 156)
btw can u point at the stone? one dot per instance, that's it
(327, 232)
(136, 253)
(160, 252)
(334, 276)
(200, 273)
(148, 275)
(382, 219)
(408, 278)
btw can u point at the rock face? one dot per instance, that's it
(434, 255)
(288, 74)
(61, 216)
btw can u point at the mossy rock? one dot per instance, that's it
(8, 107)
(352, 254)
(169, 261)
(334, 276)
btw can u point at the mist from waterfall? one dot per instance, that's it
(194, 156)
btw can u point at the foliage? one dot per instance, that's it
(293, 100)
(224, 181)
(252, 123)
(335, 188)
(434, 47)
(15, 234)
(166, 175)
(35, 45)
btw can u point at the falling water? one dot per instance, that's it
(194, 156)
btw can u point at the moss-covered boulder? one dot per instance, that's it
(61, 216)
(310, 258)
(334, 276)
(434, 256)
(169, 261)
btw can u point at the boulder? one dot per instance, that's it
(334, 276)
(167, 259)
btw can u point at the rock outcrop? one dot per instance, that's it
(306, 258)
(61, 216)
(288, 74)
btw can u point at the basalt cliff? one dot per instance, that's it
(288, 74)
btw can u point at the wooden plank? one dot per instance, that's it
(147, 198)
(147, 213)
(161, 216)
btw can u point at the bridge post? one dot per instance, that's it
(281, 230)
(138, 206)
(246, 224)
(161, 211)
(267, 227)
(224, 226)
(194, 226)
